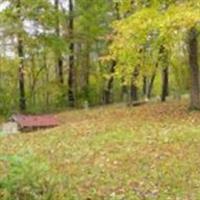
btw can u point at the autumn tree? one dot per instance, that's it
(154, 26)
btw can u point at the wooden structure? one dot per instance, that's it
(34, 122)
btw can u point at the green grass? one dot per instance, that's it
(149, 152)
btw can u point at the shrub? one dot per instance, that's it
(28, 178)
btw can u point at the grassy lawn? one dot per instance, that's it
(117, 152)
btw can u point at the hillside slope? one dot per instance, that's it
(148, 152)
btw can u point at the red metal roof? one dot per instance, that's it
(38, 121)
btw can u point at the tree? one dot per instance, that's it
(109, 85)
(165, 73)
(59, 63)
(153, 26)
(24, 26)
(134, 88)
(194, 69)
(20, 48)
(165, 84)
(71, 75)
(91, 30)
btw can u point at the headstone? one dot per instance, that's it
(86, 105)
(10, 128)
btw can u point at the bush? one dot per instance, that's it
(28, 178)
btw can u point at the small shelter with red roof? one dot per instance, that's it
(34, 122)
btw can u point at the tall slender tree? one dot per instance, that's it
(165, 84)
(151, 82)
(194, 69)
(133, 87)
(59, 62)
(109, 86)
(165, 73)
(71, 75)
(20, 49)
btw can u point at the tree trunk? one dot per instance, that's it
(134, 89)
(150, 87)
(109, 87)
(134, 93)
(59, 62)
(124, 90)
(165, 84)
(145, 84)
(46, 92)
(165, 73)
(22, 96)
(86, 71)
(194, 70)
(60, 70)
(33, 82)
(71, 75)
(20, 49)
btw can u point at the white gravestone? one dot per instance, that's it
(10, 128)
